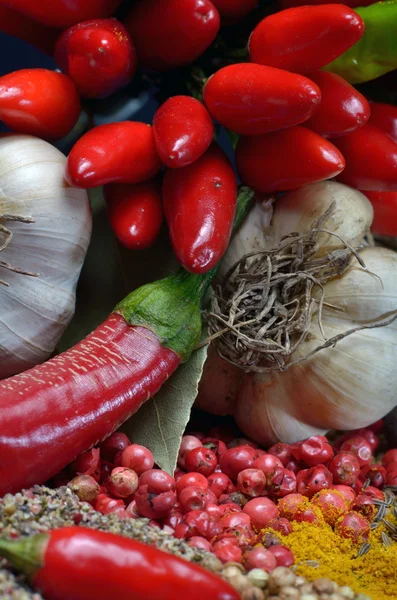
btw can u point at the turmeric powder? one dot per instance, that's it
(373, 574)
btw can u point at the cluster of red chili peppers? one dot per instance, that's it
(229, 497)
(296, 123)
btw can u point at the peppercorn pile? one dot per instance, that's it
(40, 509)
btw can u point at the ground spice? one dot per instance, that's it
(373, 574)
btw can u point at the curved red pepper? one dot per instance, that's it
(76, 563)
(199, 203)
(172, 33)
(252, 99)
(26, 109)
(371, 159)
(54, 412)
(98, 55)
(305, 38)
(286, 160)
(116, 152)
(63, 13)
(342, 107)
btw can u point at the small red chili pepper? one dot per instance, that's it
(63, 13)
(25, 108)
(173, 33)
(305, 38)
(135, 213)
(199, 205)
(286, 160)
(56, 411)
(232, 11)
(98, 55)
(253, 99)
(342, 107)
(385, 212)
(371, 159)
(384, 116)
(116, 152)
(20, 26)
(76, 563)
(183, 131)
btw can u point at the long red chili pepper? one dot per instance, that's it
(76, 563)
(55, 411)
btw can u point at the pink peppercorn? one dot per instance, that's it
(260, 511)
(260, 558)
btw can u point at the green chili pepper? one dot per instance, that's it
(376, 52)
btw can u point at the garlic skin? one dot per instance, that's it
(345, 387)
(36, 310)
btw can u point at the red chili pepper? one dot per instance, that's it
(116, 152)
(63, 13)
(58, 410)
(384, 116)
(306, 38)
(252, 99)
(286, 160)
(25, 108)
(232, 11)
(98, 55)
(342, 107)
(183, 131)
(77, 563)
(371, 159)
(20, 26)
(173, 33)
(385, 212)
(199, 204)
(135, 213)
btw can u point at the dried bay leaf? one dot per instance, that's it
(160, 423)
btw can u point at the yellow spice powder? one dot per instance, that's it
(374, 574)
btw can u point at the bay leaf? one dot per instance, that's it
(160, 423)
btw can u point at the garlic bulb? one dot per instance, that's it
(343, 387)
(50, 224)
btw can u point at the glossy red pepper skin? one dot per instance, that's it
(252, 99)
(116, 152)
(232, 11)
(199, 205)
(385, 212)
(286, 160)
(26, 109)
(183, 131)
(384, 116)
(342, 107)
(20, 26)
(173, 33)
(371, 159)
(63, 13)
(98, 55)
(305, 38)
(135, 213)
(77, 563)
(54, 412)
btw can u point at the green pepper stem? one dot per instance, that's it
(171, 307)
(26, 555)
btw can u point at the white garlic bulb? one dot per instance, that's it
(35, 310)
(343, 387)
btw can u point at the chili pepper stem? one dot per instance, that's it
(25, 555)
(171, 307)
